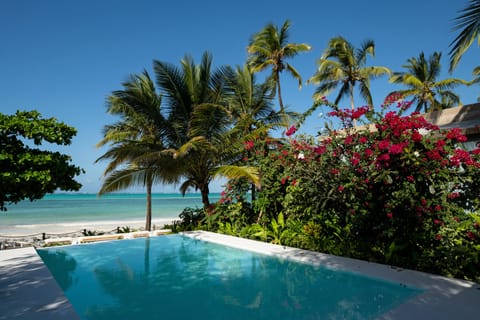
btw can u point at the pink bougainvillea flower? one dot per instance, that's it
(320, 150)
(249, 145)
(389, 215)
(334, 171)
(291, 131)
(456, 134)
(416, 136)
(395, 148)
(363, 140)
(384, 144)
(368, 152)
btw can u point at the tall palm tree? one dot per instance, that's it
(468, 22)
(137, 151)
(422, 84)
(201, 139)
(250, 104)
(268, 49)
(344, 66)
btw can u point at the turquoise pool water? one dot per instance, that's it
(177, 277)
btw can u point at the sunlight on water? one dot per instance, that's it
(179, 277)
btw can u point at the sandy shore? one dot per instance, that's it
(75, 227)
(19, 236)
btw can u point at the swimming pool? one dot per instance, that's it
(180, 277)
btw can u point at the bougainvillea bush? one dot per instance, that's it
(398, 190)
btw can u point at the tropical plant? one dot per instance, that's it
(250, 104)
(202, 140)
(468, 25)
(137, 152)
(28, 172)
(344, 66)
(421, 80)
(400, 193)
(269, 48)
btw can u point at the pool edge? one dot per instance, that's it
(28, 289)
(443, 298)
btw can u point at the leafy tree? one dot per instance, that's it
(269, 48)
(468, 23)
(27, 172)
(137, 151)
(421, 80)
(344, 66)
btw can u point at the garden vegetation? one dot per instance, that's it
(384, 186)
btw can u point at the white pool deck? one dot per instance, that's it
(29, 291)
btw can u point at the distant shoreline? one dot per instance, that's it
(59, 229)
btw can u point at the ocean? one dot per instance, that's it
(77, 211)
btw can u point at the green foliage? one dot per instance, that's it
(190, 219)
(421, 80)
(400, 192)
(30, 173)
(270, 48)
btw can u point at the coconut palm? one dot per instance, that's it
(422, 84)
(137, 150)
(344, 66)
(269, 48)
(202, 139)
(250, 104)
(468, 23)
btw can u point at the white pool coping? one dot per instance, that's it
(29, 291)
(442, 298)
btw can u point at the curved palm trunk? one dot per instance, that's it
(148, 220)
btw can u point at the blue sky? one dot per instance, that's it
(63, 58)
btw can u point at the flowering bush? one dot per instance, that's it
(399, 190)
(393, 190)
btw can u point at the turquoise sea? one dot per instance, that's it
(77, 209)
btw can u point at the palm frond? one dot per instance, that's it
(235, 172)
(468, 22)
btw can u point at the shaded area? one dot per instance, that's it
(28, 290)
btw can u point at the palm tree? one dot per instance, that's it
(468, 22)
(202, 141)
(137, 151)
(250, 104)
(422, 84)
(269, 48)
(344, 66)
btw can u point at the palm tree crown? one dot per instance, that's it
(422, 84)
(202, 140)
(270, 48)
(468, 22)
(136, 142)
(344, 66)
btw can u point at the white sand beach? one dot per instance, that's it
(77, 227)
